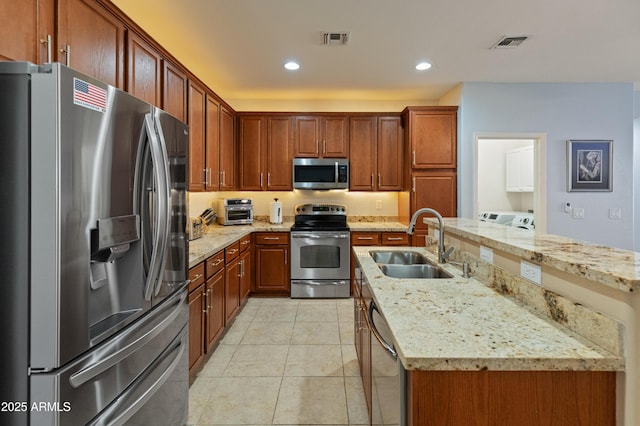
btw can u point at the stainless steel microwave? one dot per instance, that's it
(321, 173)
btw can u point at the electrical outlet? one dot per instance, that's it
(531, 272)
(615, 213)
(378, 204)
(486, 254)
(578, 213)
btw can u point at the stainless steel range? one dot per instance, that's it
(320, 258)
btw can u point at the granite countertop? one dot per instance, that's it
(612, 267)
(217, 237)
(461, 324)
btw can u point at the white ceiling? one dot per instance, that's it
(238, 47)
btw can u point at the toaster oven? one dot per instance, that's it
(235, 211)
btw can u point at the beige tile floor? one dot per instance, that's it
(283, 362)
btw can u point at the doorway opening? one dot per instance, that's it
(510, 175)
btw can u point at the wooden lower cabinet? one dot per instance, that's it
(272, 262)
(214, 310)
(232, 289)
(246, 275)
(505, 398)
(196, 327)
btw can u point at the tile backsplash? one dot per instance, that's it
(358, 203)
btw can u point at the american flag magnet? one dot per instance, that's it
(89, 95)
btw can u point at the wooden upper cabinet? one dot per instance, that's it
(174, 94)
(279, 154)
(196, 124)
(212, 143)
(26, 31)
(91, 40)
(390, 154)
(362, 153)
(375, 153)
(144, 70)
(252, 137)
(437, 190)
(227, 150)
(432, 137)
(265, 153)
(317, 136)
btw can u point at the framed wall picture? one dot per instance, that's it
(589, 165)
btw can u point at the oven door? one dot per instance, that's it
(238, 215)
(320, 255)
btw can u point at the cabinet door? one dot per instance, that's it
(436, 190)
(362, 158)
(246, 275)
(214, 309)
(91, 40)
(252, 139)
(307, 136)
(272, 268)
(335, 137)
(231, 289)
(389, 154)
(212, 145)
(196, 326)
(279, 154)
(227, 151)
(27, 26)
(144, 70)
(196, 124)
(174, 93)
(433, 137)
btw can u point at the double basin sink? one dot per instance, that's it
(407, 264)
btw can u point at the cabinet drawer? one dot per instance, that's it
(365, 238)
(231, 252)
(196, 276)
(395, 239)
(245, 242)
(214, 263)
(272, 238)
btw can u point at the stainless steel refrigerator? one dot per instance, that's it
(93, 257)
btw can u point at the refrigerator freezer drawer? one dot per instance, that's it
(136, 369)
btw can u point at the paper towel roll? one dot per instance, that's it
(275, 214)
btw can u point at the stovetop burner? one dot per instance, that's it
(320, 217)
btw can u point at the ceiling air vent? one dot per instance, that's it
(335, 39)
(509, 42)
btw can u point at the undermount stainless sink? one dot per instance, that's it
(414, 271)
(399, 257)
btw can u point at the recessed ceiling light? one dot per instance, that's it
(292, 66)
(423, 66)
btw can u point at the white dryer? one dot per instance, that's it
(524, 221)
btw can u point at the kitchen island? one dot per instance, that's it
(499, 346)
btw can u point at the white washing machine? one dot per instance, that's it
(499, 217)
(524, 221)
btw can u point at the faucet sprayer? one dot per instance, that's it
(412, 226)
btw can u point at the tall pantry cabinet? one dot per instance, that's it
(431, 141)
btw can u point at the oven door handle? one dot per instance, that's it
(318, 237)
(387, 346)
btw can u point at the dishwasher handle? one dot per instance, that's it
(387, 346)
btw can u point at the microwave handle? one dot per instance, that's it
(336, 172)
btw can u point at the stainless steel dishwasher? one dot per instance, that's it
(388, 376)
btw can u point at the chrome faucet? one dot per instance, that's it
(412, 225)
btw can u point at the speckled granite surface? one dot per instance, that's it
(613, 267)
(461, 324)
(217, 237)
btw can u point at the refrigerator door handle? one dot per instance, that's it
(157, 260)
(79, 378)
(165, 205)
(113, 416)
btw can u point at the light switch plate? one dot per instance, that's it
(578, 213)
(531, 272)
(486, 254)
